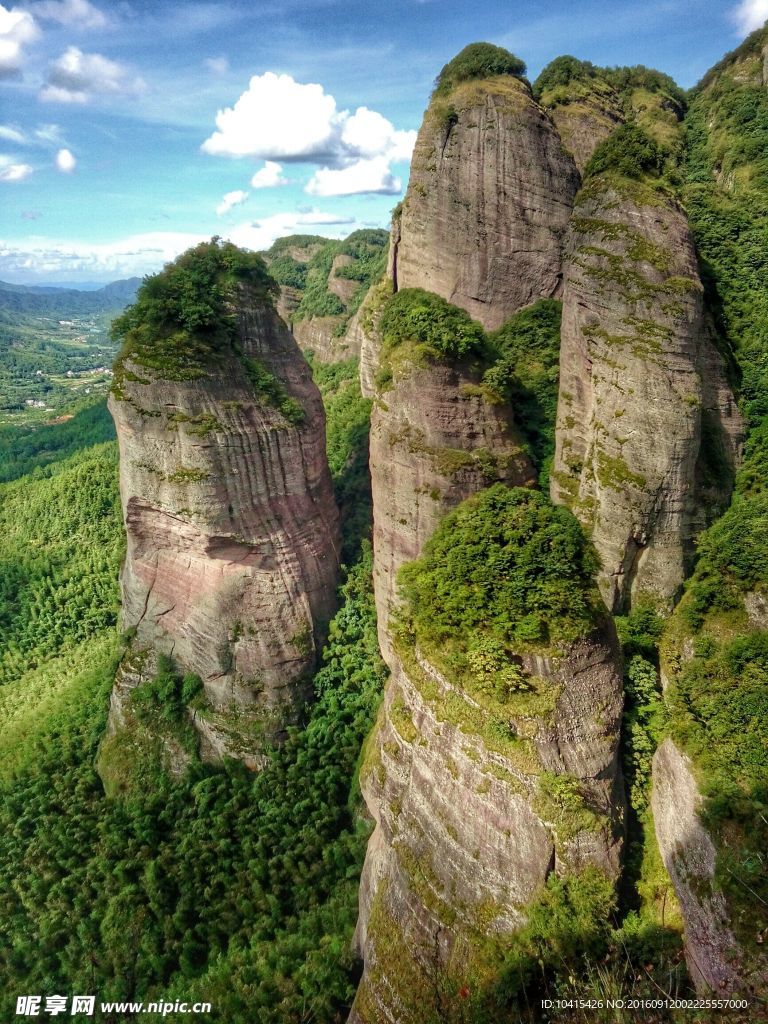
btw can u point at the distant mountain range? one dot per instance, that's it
(43, 299)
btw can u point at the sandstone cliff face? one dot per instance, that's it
(435, 440)
(489, 197)
(318, 336)
(639, 376)
(363, 333)
(232, 527)
(464, 836)
(689, 856)
(584, 122)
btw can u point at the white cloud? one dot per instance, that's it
(65, 161)
(75, 13)
(261, 234)
(17, 27)
(49, 133)
(44, 259)
(277, 117)
(360, 177)
(13, 172)
(11, 134)
(750, 14)
(230, 200)
(217, 65)
(280, 119)
(76, 77)
(270, 176)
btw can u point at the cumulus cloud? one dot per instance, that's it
(17, 28)
(217, 65)
(362, 176)
(76, 77)
(10, 171)
(280, 119)
(65, 161)
(270, 175)
(750, 14)
(74, 13)
(230, 200)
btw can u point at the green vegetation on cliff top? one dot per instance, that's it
(477, 60)
(183, 316)
(506, 567)
(438, 329)
(557, 80)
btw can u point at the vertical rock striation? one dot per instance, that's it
(232, 527)
(641, 383)
(435, 440)
(711, 950)
(488, 201)
(464, 784)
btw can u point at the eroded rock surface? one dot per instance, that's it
(641, 386)
(435, 440)
(689, 856)
(232, 527)
(488, 202)
(463, 836)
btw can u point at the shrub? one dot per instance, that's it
(182, 317)
(478, 60)
(526, 373)
(506, 565)
(414, 315)
(288, 271)
(273, 391)
(627, 151)
(562, 71)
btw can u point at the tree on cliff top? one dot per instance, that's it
(478, 60)
(183, 315)
(191, 293)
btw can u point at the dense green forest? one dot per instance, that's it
(55, 348)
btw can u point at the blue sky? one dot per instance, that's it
(131, 130)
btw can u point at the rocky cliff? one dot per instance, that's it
(232, 527)
(493, 764)
(587, 103)
(641, 383)
(488, 201)
(690, 857)
(584, 108)
(322, 284)
(436, 438)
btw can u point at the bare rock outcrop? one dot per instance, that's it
(689, 856)
(232, 527)
(319, 335)
(488, 202)
(640, 383)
